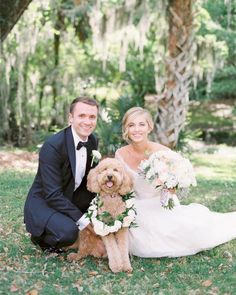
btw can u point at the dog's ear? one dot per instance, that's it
(92, 183)
(127, 184)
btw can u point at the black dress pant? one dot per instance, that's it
(60, 231)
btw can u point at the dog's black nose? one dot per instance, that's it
(109, 177)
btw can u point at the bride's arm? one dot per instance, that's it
(118, 156)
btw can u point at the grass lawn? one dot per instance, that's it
(25, 270)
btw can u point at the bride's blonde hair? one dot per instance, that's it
(131, 113)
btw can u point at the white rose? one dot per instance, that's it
(96, 154)
(171, 182)
(129, 203)
(131, 214)
(99, 227)
(152, 157)
(144, 164)
(114, 228)
(127, 220)
(95, 213)
(159, 166)
(150, 174)
(163, 177)
(101, 231)
(187, 181)
(97, 223)
(92, 207)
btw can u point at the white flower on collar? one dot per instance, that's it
(96, 157)
(125, 219)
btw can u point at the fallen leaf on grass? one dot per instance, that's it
(93, 273)
(61, 258)
(32, 292)
(182, 260)
(14, 288)
(26, 257)
(5, 249)
(51, 255)
(78, 286)
(170, 264)
(214, 291)
(129, 275)
(207, 283)
(228, 256)
(9, 232)
(82, 263)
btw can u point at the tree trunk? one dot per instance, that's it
(10, 12)
(12, 107)
(26, 122)
(57, 38)
(40, 103)
(4, 96)
(172, 102)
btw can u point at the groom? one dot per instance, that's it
(58, 198)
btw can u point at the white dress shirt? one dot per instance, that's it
(80, 167)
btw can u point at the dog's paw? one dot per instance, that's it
(115, 267)
(73, 257)
(128, 269)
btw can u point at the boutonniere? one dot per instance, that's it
(96, 157)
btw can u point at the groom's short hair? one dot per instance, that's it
(84, 99)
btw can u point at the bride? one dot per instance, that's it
(184, 230)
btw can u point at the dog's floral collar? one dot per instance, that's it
(96, 157)
(104, 223)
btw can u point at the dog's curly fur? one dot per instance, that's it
(110, 180)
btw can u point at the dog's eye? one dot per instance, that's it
(116, 170)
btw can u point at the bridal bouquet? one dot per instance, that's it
(170, 172)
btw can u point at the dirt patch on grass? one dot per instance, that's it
(18, 160)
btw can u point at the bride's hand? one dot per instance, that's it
(172, 190)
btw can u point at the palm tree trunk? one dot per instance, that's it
(173, 101)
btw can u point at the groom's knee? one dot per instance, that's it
(67, 236)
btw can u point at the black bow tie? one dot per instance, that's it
(81, 144)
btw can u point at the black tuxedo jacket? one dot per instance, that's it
(53, 187)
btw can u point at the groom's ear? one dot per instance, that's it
(69, 118)
(92, 183)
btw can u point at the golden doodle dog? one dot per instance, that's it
(110, 181)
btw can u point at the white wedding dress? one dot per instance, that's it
(184, 230)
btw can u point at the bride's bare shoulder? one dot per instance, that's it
(159, 147)
(122, 151)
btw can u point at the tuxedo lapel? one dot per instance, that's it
(71, 149)
(89, 155)
(93, 145)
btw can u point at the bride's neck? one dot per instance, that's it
(141, 148)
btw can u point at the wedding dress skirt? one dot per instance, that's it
(184, 230)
